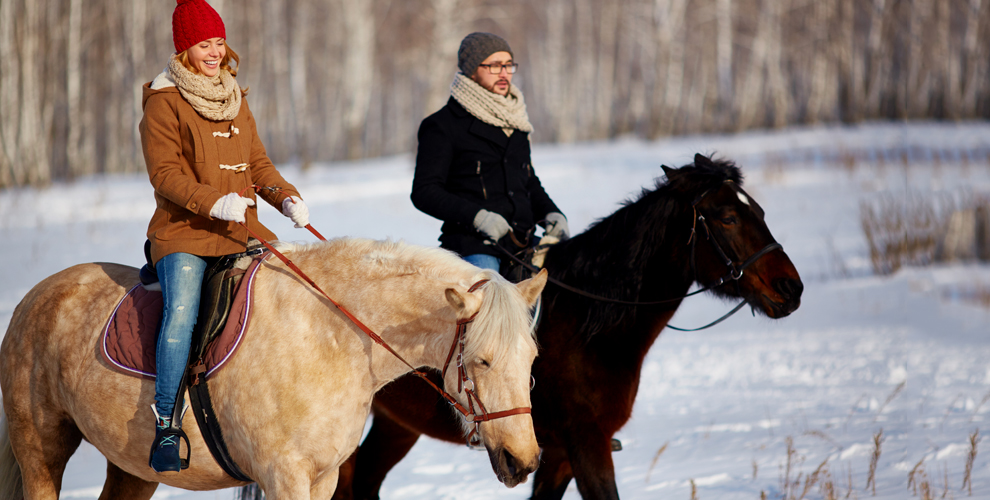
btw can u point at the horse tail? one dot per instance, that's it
(249, 492)
(10, 472)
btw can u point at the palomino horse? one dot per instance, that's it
(293, 402)
(699, 226)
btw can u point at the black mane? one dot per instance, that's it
(612, 257)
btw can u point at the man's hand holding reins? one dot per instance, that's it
(491, 224)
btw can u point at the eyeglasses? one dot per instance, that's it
(496, 69)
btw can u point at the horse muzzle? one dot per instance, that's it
(788, 298)
(510, 469)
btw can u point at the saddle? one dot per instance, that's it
(220, 283)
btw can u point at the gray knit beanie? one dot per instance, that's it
(476, 47)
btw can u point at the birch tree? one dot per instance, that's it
(358, 71)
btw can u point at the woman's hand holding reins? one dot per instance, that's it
(294, 208)
(231, 206)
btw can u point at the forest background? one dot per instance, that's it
(339, 79)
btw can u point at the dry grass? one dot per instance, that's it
(974, 439)
(901, 230)
(897, 390)
(871, 479)
(655, 458)
(924, 481)
(786, 484)
(918, 229)
(694, 490)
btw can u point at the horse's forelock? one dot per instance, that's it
(502, 316)
(695, 178)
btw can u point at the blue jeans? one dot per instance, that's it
(181, 277)
(484, 261)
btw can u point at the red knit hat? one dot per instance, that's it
(194, 21)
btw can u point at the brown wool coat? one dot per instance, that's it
(183, 157)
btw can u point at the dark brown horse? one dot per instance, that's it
(591, 351)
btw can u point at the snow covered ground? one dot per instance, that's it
(906, 354)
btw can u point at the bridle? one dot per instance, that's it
(466, 385)
(733, 273)
(470, 414)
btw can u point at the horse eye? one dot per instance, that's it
(484, 363)
(728, 221)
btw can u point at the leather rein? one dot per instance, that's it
(734, 272)
(464, 383)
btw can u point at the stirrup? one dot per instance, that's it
(171, 431)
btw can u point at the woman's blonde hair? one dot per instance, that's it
(224, 63)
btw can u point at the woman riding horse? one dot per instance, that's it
(202, 151)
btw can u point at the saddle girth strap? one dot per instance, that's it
(209, 427)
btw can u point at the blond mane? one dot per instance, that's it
(500, 317)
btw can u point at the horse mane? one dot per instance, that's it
(612, 256)
(498, 319)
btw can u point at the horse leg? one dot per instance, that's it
(551, 479)
(325, 485)
(591, 463)
(120, 484)
(42, 445)
(386, 444)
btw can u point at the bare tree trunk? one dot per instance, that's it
(779, 95)
(584, 63)
(299, 39)
(969, 74)
(723, 58)
(137, 28)
(77, 164)
(450, 18)
(560, 82)
(605, 73)
(671, 36)
(850, 64)
(750, 97)
(820, 84)
(918, 81)
(32, 141)
(878, 60)
(9, 74)
(358, 68)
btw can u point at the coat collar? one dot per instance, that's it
(478, 127)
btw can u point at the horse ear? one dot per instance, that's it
(668, 171)
(465, 305)
(531, 288)
(700, 159)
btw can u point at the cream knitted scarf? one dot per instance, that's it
(217, 98)
(506, 112)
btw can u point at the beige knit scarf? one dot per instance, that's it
(506, 112)
(217, 98)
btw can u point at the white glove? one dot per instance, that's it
(556, 225)
(294, 208)
(231, 206)
(491, 223)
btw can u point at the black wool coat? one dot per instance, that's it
(464, 165)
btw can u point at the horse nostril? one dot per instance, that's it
(510, 463)
(788, 288)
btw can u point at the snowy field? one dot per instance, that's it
(906, 354)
